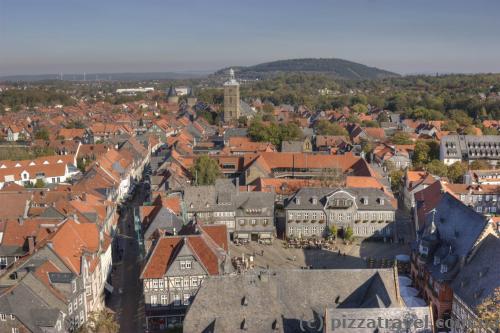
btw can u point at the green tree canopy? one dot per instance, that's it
(401, 138)
(324, 127)
(205, 171)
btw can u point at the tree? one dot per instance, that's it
(370, 123)
(450, 125)
(324, 127)
(334, 230)
(437, 168)
(489, 311)
(39, 183)
(359, 108)
(480, 165)
(205, 171)
(396, 177)
(401, 138)
(103, 321)
(421, 153)
(42, 134)
(456, 172)
(469, 130)
(348, 234)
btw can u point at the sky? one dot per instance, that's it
(405, 36)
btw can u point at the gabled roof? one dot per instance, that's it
(207, 247)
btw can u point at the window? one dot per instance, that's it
(194, 281)
(177, 300)
(265, 222)
(164, 299)
(3, 262)
(80, 300)
(186, 282)
(254, 222)
(160, 283)
(154, 300)
(155, 284)
(185, 264)
(81, 317)
(3, 317)
(70, 308)
(75, 304)
(290, 230)
(12, 317)
(15, 330)
(186, 299)
(73, 283)
(178, 283)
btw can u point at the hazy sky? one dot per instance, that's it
(406, 36)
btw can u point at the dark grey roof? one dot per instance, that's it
(32, 309)
(246, 110)
(165, 220)
(479, 277)
(472, 146)
(171, 92)
(396, 318)
(457, 224)
(235, 132)
(287, 296)
(307, 194)
(56, 277)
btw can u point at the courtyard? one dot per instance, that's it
(347, 256)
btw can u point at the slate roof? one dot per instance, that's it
(456, 223)
(164, 220)
(321, 193)
(394, 316)
(260, 300)
(479, 278)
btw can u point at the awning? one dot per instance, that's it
(242, 236)
(108, 287)
(265, 236)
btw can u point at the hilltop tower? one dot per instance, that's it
(231, 98)
(172, 97)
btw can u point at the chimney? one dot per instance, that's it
(20, 220)
(237, 180)
(31, 244)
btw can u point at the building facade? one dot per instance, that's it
(457, 148)
(175, 269)
(311, 212)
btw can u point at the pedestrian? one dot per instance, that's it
(344, 254)
(262, 253)
(338, 254)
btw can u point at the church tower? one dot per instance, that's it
(231, 98)
(172, 97)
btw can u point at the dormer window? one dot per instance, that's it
(297, 200)
(364, 201)
(314, 200)
(423, 249)
(437, 260)
(444, 268)
(381, 201)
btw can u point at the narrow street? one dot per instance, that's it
(127, 300)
